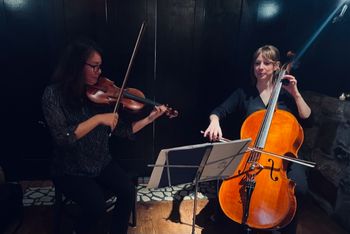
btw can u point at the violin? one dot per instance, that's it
(105, 92)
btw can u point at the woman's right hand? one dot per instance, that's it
(214, 130)
(108, 119)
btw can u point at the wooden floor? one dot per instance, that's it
(167, 218)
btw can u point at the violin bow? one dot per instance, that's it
(142, 29)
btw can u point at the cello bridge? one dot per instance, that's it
(255, 165)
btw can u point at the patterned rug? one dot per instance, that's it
(39, 196)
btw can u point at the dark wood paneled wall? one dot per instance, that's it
(193, 53)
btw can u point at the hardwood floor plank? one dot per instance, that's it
(160, 217)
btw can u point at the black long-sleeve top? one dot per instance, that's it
(85, 156)
(244, 102)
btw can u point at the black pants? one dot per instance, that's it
(88, 193)
(297, 174)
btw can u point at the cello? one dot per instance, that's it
(259, 194)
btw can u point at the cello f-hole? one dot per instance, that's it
(271, 170)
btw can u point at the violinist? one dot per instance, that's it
(245, 101)
(82, 165)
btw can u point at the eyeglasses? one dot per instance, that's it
(95, 68)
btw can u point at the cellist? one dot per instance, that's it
(245, 101)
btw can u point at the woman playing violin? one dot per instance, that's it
(82, 165)
(244, 102)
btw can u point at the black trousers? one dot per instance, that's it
(88, 193)
(297, 173)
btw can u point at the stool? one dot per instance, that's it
(61, 202)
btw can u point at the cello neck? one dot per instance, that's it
(264, 129)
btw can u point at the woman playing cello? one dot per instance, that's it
(244, 102)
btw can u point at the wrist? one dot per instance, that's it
(97, 119)
(297, 96)
(214, 118)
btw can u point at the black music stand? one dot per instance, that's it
(197, 163)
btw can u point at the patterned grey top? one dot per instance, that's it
(88, 155)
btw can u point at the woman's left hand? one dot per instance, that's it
(291, 87)
(157, 112)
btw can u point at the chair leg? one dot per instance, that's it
(133, 223)
(57, 212)
(134, 215)
(20, 222)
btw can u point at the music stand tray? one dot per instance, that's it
(197, 163)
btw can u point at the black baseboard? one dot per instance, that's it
(27, 169)
(39, 168)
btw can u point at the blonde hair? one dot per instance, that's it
(269, 52)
